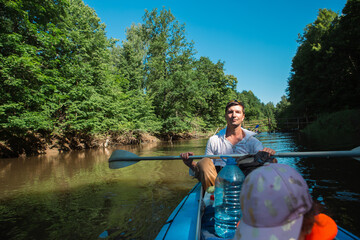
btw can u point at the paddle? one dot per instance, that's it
(122, 158)
(255, 127)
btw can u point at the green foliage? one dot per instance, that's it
(25, 79)
(309, 82)
(168, 69)
(59, 73)
(282, 108)
(128, 60)
(253, 105)
(269, 112)
(325, 70)
(214, 90)
(257, 112)
(335, 130)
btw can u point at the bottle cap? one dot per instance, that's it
(229, 160)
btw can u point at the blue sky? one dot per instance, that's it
(255, 39)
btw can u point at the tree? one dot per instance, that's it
(345, 58)
(214, 89)
(127, 63)
(269, 113)
(253, 106)
(168, 69)
(29, 51)
(325, 70)
(85, 86)
(282, 108)
(308, 82)
(128, 59)
(61, 75)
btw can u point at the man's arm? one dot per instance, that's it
(188, 162)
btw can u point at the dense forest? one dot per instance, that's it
(325, 70)
(65, 85)
(325, 77)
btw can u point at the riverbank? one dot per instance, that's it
(339, 130)
(76, 196)
(36, 143)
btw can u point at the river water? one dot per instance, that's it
(76, 196)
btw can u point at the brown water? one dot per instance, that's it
(76, 196)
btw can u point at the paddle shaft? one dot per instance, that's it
(277, 155)
(122, 158)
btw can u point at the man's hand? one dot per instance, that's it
(188, 162)
(271, 152)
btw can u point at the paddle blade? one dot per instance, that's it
(357, 149)
(122, 158)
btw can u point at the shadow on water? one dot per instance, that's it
(76, 196)
(84, 212)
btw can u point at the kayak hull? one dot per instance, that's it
(185, 221)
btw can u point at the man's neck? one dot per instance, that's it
(234, 134)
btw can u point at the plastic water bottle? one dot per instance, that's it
(227, 198)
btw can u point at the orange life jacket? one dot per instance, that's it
(324, 228)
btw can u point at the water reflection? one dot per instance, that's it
(333, 182)
(76, 196)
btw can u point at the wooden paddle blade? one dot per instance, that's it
(122, 158)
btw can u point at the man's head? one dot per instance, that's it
(234, 113)
(234, 103)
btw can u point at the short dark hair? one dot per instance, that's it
(309, 217)
(234, 103)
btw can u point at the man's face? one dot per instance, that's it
(234, 115)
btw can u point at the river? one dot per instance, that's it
(76, 196)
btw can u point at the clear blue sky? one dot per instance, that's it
(255, 39)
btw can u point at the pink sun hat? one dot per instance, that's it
(274, 199)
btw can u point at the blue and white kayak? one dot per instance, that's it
(185, 220)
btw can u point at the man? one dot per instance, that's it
(231, 140)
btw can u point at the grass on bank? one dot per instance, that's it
(335, 130)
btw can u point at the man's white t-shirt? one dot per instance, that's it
(219, 145)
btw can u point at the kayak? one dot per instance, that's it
(193, 220)
(184, 222)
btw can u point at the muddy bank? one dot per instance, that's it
(35, 143)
